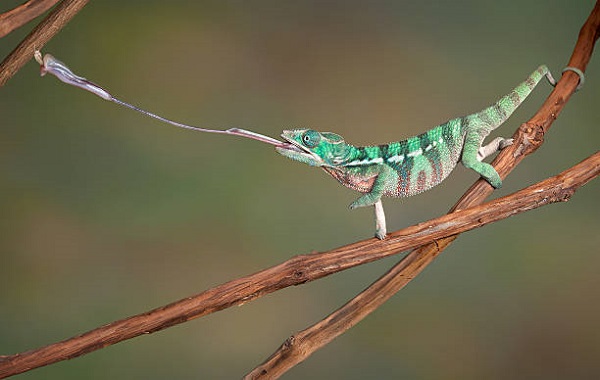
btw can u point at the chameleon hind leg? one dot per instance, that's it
(471, 156)
(496, 145)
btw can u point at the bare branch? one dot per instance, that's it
(21, 15)
(298, 347)
(39, 36)
(309, 267)
(303, 268)
(529, 137)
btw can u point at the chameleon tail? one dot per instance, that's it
(496, 114)
(477, 126)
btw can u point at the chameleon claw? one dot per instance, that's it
(380, 235)
(505, 143)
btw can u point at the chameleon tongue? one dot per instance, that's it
(53, 66)
(256, 136)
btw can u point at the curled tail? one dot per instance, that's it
(477, 126)
(496, 114)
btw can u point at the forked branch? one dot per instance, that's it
(529, 137)
(303, 268)
(555, 189)
(309, 267)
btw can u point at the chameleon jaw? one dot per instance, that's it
(291, 149)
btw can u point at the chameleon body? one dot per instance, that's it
(411, 166)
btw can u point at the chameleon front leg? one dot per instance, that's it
(373, 197)
(382, 177)
(380, 227)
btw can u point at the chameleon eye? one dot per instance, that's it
(311, 138)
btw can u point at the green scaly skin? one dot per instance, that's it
(411, 166)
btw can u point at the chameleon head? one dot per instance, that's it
(314, 148)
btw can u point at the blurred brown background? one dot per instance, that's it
(107, 213)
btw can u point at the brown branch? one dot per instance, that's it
(303, 268)
(298, 347)
(529, 137)
(39, 36)
(21, 15)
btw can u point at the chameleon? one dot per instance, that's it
(397, 169)
(413, 165)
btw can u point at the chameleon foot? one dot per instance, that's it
(496, 145)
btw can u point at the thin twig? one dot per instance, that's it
(38, 37)
(21, 15)
(529, 137)
(292, 272)
(301, 345)
(301, 269)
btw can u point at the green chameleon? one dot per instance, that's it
(411, 166)
(398, 169)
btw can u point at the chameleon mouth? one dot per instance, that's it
(297, 152)
(291, 145)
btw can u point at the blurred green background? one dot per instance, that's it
(107, 213)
